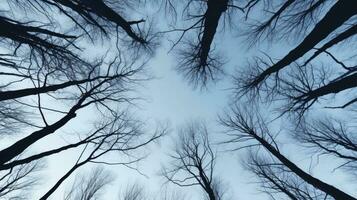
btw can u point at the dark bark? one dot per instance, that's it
(61, 180)
(339, 38)
(206, 183)
(40, 155)
(214, 11)
(334, 18)
(102, 10)
(262, 170)
(25, 34)
(6, 95)
(99, 8)
(331, 88)
(18, 147)
(328, 189)
(195, 158)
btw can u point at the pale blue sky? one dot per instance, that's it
(171, 99)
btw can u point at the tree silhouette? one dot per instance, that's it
(89, 187)
(133, 191)
(300, 78)
(331, 137)
(51, 80)
(118, 136)
(245, 127)
(193, 162)
(305, 78)
(322, 29)
(276, 179)
(18, 182)
(64, 59)
(197, 59)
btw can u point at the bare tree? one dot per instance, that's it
(246, 127)
(117, 136)
(276, 179)
(302, 78)
(293, 84)
(301, 87)
(89, 186)
(322, 29)
(49, 78)
(133, 191)
(18, 182)
(198, 60)
(193, 161)
(104, 89)
(330, 137)
(48, 53)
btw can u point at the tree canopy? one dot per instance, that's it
(72, 69)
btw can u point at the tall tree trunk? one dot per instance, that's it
(328, 189)
(214, 11)
(334, 18)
